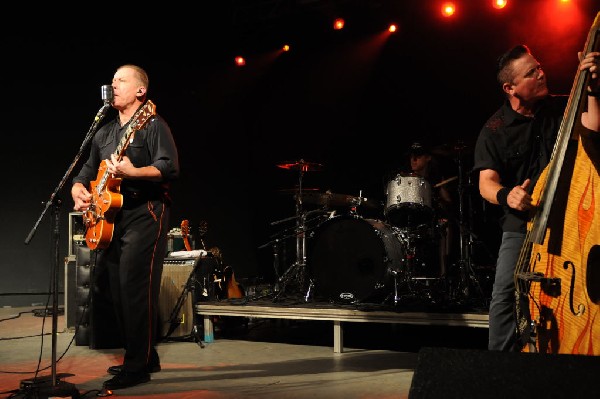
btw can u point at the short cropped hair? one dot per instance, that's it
(504, 70)
(141, 74)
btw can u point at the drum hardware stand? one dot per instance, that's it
(409, 280)
(276, 263)
(298, 270)
(467, 278)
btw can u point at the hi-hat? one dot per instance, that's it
(332, 200)
(301, 165)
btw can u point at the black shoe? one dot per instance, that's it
(114, 370)
(126, 380)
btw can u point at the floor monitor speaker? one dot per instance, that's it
(458, 373)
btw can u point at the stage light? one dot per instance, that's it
(500, 4)
(448, 9)
(240, 61)
(338, 23)
(393, 28)
(286, 47)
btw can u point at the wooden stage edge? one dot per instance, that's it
(337, 315)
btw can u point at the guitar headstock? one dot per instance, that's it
(142, 116)
(185, 232)
(185, 228)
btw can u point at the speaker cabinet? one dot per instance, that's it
(172, 287)
(70, 296)
(184, 282)
(95, 319)
(455, 373)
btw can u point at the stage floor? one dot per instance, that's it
(248, 358)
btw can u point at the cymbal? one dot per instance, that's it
(451, 150)
(333, 199)
(301, 165)
(297, 189)
(329, 199)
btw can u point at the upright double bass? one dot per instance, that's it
(557, 276)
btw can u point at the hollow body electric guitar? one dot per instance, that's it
(107, 199)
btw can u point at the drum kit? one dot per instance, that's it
(343, 257)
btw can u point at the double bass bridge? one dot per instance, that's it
(550, 285)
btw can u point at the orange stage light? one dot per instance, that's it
(240, 61)
(393, 28)
(338, 23)
(286, 47)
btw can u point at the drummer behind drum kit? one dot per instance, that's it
(346, 258)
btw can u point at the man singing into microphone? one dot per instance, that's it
(131, 262)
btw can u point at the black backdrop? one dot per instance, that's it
(352, 101)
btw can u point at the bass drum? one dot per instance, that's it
(352, 260)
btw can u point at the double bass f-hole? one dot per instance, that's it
(580, 307)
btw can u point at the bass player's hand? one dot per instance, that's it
(518, 198)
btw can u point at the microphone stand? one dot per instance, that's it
(40, 384)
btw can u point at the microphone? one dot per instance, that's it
(107, 93)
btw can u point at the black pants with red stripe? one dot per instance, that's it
(134, 263)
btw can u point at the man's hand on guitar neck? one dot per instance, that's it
(81, 197)
(122, 168)
(125, 169)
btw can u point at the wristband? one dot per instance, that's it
(502, 196)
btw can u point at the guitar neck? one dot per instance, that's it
(141, 116)
(119, 154)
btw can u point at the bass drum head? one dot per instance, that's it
(351, 260)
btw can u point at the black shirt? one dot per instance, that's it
(519, 147)
(153, 145)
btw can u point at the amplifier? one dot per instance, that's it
(76, 232)
(179, 261)
(172, 286)
(175, 240)
(197, 275)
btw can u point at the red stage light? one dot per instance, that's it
(448, 9)
(499, 4)
(240, 61)
(338, 23)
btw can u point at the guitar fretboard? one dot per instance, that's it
(137, 121)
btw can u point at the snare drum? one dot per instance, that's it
(408, 201)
